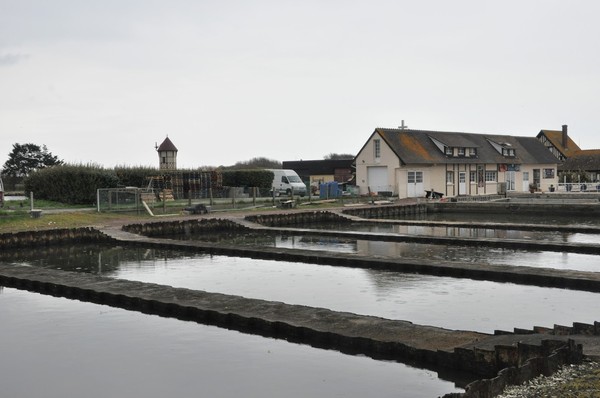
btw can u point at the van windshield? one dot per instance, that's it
(294, 179)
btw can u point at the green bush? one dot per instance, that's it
(72, 184)
(248, 178)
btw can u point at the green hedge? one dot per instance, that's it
(248, 178)
(69, 183)
(77, 184)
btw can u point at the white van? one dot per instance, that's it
(287, 181)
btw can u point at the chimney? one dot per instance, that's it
(565, 137)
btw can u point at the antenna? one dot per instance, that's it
(403, 126)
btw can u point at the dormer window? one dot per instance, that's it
(472, 152)
(449, 151)
(461, 151)
(508, 152)
(503, 148)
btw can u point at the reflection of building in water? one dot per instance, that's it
(334, 244)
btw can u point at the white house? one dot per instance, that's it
(407, 163)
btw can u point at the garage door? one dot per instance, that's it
(377, 179)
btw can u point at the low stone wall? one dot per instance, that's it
(578, 328)
(387, 211)
(51, 237)
(574, 209)
(184, 227)
(296, 218)
(523, 363)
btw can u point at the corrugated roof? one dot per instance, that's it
(417, 147)
(167, 145)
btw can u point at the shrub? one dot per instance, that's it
(72, 184)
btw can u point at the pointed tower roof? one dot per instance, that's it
(167, 145)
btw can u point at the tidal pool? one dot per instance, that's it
(452, 303)
(411, 250)
(460, 232)
(55, 348)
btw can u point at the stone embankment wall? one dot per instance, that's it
(523, 363)
(574, 209)
(297, 218)
(51, 237)
(387, 211)
(184, 227)
(578, 328)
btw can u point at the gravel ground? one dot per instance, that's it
(574, 381)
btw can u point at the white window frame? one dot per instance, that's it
(491, 176)
(377, 148)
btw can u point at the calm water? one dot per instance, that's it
(469, 254)
(440, 301)
(56, 348)
(462, 232)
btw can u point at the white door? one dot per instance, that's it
(510, 180)
(462, 183)
(377, 179)
(525, 181)
(415, 184)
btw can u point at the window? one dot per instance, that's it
(449, 177)
(548, 173)
(473, 176)
(461, 151)
(415, 177)
(448, 150)
(508, 152)
(472, 152)
(377, 148)
(490, 176)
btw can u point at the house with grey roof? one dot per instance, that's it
(407, 163)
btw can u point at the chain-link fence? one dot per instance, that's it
(150, 200)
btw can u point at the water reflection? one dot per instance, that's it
(415, 251)
(446, 302)
(76, 349)
(458, 232)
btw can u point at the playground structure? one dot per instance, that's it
(180, 187)
(187, 185)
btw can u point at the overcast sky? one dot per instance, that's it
(103, 81)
